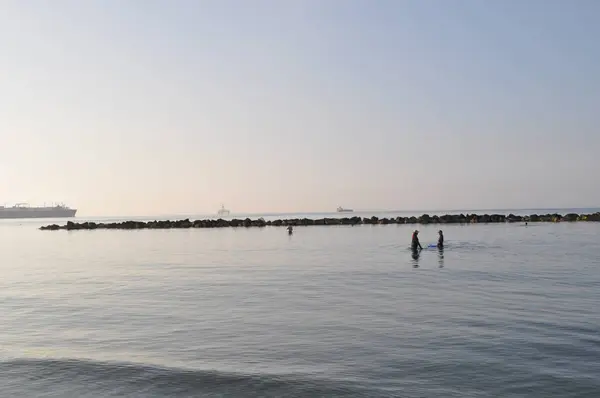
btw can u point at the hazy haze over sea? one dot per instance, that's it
(506, 310)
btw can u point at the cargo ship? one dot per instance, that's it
(342, 210)
(23, 210)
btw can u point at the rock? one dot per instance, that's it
(571, 217)
(497, 218)
(447, 219)
(593, 217)
(424, 219)
(52, 227)
(513, 218)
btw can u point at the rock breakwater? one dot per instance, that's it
(424, 219)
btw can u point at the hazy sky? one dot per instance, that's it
(150, 107)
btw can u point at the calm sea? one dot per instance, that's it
(504, 311)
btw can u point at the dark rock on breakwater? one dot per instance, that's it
(424, 219)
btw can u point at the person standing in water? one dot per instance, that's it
(415, 241)
(290, 230)
(440, 240)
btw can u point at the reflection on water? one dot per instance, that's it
(416, 251)
(415, 256)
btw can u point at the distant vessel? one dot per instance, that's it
(23, 210)
(342, 210)
(223, 211)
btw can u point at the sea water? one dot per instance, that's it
(506, 310)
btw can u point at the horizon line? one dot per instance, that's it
(359, 211)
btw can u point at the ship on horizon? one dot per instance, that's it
(223, 212)
(342, 210)
(23, 210)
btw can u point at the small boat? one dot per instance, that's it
(223, 211)
(342, 210)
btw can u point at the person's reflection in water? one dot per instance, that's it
(415, 256)
(441, 256)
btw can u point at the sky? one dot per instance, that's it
(144, 107)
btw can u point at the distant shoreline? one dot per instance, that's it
(260, 222)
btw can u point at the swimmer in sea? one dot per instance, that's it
(415, 241)
(290, 229)
(440, 240)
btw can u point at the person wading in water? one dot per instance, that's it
(415, 244)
